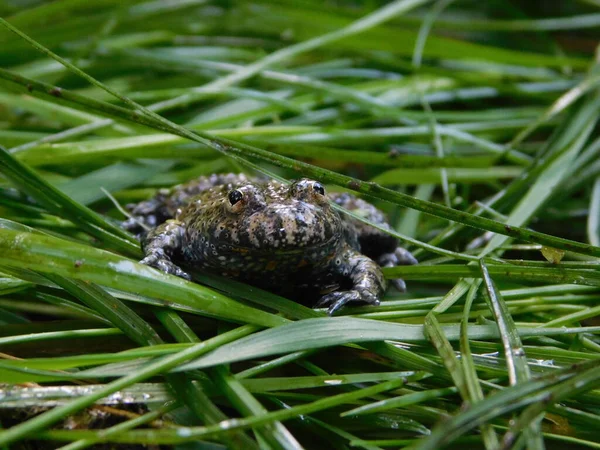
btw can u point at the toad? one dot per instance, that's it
(287, 239)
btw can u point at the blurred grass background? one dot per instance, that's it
(472, 124)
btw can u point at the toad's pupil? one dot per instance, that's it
(235, 196)
(318, 188)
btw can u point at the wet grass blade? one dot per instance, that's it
(516, 359)
(85, 263)
(119, 314)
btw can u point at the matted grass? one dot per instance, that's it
(472, 124)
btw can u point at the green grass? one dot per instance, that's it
(472, 124)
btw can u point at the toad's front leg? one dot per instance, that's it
(163, 243)
(368, 284)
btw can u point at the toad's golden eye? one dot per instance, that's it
(235, 196)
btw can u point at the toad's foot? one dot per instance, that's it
(399, 257)
(336, 300)
(368, 284)
(163, 243)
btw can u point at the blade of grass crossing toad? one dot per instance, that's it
(473, 386)
(119, 314)
(239, 396)
(516, 360)
(232, 148)
(55, 201)
(241, 151)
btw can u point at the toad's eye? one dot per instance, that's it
(319, 189)
(235, 196)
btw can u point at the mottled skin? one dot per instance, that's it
(287, 239)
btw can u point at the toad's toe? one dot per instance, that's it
(399, 257)
(399, 284)
(165, 266)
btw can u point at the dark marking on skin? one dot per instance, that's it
(286, 239)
